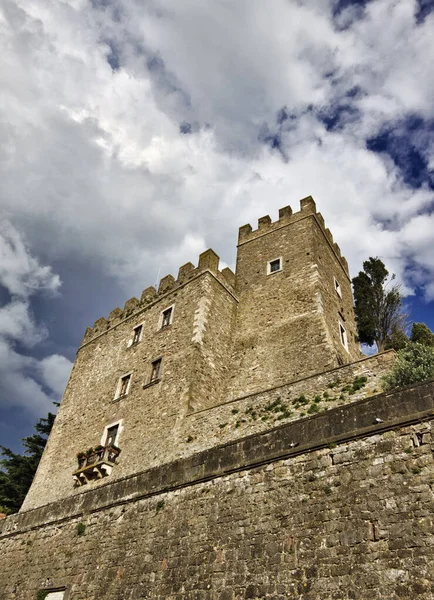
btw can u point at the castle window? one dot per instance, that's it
(123, 386)
(166, 317)
(343, 336)
(337, 287)
(111, 435)
(155, 371)
(273, 266)
(137, 334)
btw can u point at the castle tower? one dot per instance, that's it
(200, 341)
(295, 315)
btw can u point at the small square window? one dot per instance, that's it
(156, 370)
(137, 334)
(343, 336)
(166, 317)
(337, 287)
(274, 265)
(123, 386)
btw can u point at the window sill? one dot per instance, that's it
(134, 344)
(274, 272)
(120, 397)
(146, 385)
(164, 327)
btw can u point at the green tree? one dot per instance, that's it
(378, 309)
(414, 363)
(17, 470)
(422, 334)
(397, 340)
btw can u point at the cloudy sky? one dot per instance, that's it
(134, 135)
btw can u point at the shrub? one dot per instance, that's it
(81, 529)
(415, 363)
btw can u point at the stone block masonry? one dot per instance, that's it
(238, 444)
(337, 506)
(203, 340)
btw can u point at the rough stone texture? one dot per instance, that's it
(287, 322)
(230, 337)
(346, 514)
(263, 462)
(150, 415)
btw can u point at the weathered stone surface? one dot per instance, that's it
(258, 458)
(260, 525)
(252, 339)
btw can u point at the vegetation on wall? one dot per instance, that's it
(378, 307)
(17, 470)
(414, 363)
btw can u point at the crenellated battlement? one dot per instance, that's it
(307, 207)
(275, 341)
(208, 261)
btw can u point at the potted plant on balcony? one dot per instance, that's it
(81, 457)
(112, 453)
(90, 456)
(99, 451)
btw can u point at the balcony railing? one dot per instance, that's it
(97, 465)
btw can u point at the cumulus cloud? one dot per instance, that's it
(25, 381)
(55, 371)
(20, 272)
(136, 128)
(134, 135)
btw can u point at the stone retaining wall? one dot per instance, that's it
(334, 506)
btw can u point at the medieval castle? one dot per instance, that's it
(224, 437)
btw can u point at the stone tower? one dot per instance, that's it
(207, 338)
(232, 444)
(295, 314)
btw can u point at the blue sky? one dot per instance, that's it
(135, 135)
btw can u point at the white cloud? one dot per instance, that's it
(26, 381)
(16, 323)
(20, 272)
(95, 167)
(55, 371)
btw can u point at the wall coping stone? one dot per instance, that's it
(348, 366)
(338, 425)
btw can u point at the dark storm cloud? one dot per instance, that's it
(134, 135)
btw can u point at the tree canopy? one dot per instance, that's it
(17, 470)
(378, 310)
(422, 334)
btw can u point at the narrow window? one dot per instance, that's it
(156, 370)
(123, 386)
(274, 265)
(111, 435)
(166, 317)
(337, 287)
(343, 336)
(137, 334)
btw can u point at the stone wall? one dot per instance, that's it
(287, 322)
(230, 337)
(336, 506)
(336, 308)
(149, 414)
